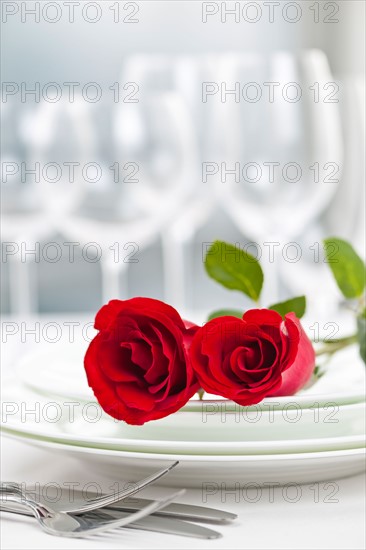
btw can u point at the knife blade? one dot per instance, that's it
(175, 510)
(167, 526)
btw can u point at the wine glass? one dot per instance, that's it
(281, 142)
(164, 133)
(23, 217)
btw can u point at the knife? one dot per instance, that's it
(181, 511)
(157, 524)
(132, 504)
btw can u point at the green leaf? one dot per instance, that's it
(234, 268)
(361, 334)
(295, 305)
(223, 312)
(347, 267)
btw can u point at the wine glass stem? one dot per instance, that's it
(114, 281)
(271, 259)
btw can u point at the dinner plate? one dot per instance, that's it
(214, 473)
(296, 430)
(195, 448)
(63, 375)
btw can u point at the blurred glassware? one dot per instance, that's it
(142, 201)
(298, 131)
(348, 204)
(150, 147)
(22, 215)
(168, 148)
(343, 217)
(57, 135)
(46, 139)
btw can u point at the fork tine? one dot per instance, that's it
(110, 525)
(70, 525)
(106, 500)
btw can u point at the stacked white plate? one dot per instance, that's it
(319, 434)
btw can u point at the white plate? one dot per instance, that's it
(194, 448)
(209, 472)
(62, 374)
(299, 430)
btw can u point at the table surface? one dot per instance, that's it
(318, 516)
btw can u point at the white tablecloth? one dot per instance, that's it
(270, 522)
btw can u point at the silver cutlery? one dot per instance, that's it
(83, 505)
(173, 510)
(154, 523)
(70, 525)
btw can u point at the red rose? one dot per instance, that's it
(251, 358)
(138, 364)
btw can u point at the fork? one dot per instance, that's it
(70, 525)
(104, 500)
(153, 523)
(74, 501)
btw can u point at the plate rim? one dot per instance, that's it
(302, 401)
(193, 458)
(257, 444)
